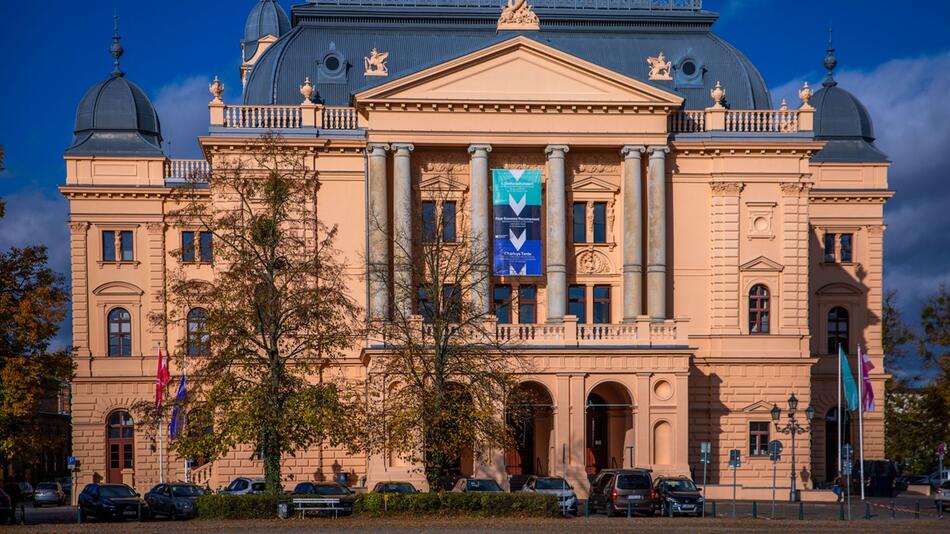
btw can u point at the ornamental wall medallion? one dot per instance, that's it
(592, 262)
(660, 68)
(375, 64)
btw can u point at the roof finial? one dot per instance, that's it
(116, 50)
(830, 63)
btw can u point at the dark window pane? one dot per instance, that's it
(127, 455)
(580, 222)
(527, 304)
(829, 248)
(108, 245)
(758, 438)
(846, 240)
(187, 246)
(425, 305)
(197, 340)
(120, 333)
(837, 329)
(576, 303)
(428, 222)
(501, 299)
(759, 309)
(126, 244)
(452, 302)
(600, 222)
(204, 246)
(601, 304)
(114, 455)
(448, 222)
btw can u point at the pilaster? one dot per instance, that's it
(795, 233)
(78, 242)
(724, 241)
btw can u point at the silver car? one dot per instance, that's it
(49, 493)
(566, 498)
(245, 486)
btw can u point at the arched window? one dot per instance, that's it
(837, 329)
(759, 309)
(120, 434)
(120, 333)
(197, 338)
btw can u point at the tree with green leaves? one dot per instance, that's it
(277, 314)
(32, 305)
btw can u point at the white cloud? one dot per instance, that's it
(183, 109)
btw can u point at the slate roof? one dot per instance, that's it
(417, 35)
(266, 18)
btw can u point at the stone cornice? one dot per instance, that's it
(851, 196)
(73, 192)
(754, 148)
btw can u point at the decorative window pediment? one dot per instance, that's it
(113, 289)
(594, 184)
(758, 406)
(839, 289)
(761, 265)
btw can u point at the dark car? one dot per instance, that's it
(471, 485)
(111, 501)
(67, 484)
(394, 487)
(614, 490)
(174, 501)
(328, 490)
(677, 495)
(49, 493)
(6, 508)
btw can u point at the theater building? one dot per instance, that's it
(704, 249)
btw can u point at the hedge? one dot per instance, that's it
(413, 504)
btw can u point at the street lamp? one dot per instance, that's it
(793, 427)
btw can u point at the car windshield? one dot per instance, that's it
(116, 491)
(396, 488)
(680, 485)
(46, 485)
(258, 486)
(551, 484)
(187, 491)
(329, 489)
(482, 485)
(633, 482)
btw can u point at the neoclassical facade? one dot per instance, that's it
(704, 251)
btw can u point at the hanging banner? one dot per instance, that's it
(516, 197)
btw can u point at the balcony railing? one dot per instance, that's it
(742, 121)
(186, 168)
(284, 117)
(642, 333)
(267, 117)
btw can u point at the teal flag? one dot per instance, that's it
(850, 386)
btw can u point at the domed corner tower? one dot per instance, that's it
(266, 23)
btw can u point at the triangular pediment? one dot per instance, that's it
(762, 264)
(758, 406)
(595, 185)
(442, 182)
(519, 70)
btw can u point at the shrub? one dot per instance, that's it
(239, 506)
(459, 504)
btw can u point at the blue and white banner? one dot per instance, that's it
(516, 198)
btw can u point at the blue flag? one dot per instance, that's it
(178, 416)
(850, 386)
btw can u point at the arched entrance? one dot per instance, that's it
(120, 435)
(831, 440)
(609, 428)
(530, 418)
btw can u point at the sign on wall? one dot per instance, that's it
(517, 222)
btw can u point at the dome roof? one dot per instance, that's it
(266, 18)
(116, 118)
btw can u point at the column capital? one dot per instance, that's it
(658, 151)
(550, 150)
(632, 151)
(476, 148)
(375, 148)
(396, 147)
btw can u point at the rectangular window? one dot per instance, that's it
(125, 242)
(577, 303)
(448, 222)
(187, 247)
(428, 222)
(528, 304)
(204, 246)
(108, 245)
(114, 455)
(424, 304)
(127, 455)
(452, 302)
(601, 305)
(501, 302)
(829, 248)
(846, 241)
(600, 222)
(758, 439)
(580, 222)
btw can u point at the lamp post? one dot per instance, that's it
(792, 427)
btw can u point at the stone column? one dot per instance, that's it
(556, 226)
(632, 233)
(377, 228)
(481, 227)
(402, 230)
(656, 233)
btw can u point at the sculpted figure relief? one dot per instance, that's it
(518, 15)
(375, 64)
(660, 68)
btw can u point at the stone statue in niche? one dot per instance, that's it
(375, 64)
(660, 68)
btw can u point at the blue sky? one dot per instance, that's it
(895, 57)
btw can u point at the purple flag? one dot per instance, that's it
(868, 392)
(178, 417)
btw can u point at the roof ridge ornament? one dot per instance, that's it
(830, 63)
(116, 49)
(518, 15)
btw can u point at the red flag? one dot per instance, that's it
(162, 378)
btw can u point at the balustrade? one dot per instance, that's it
(267, 117)
(748, 121)
(187, 168)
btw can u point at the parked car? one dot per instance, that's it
(394, 487)
(471, 485)
(937, 479)
(111, 501)
(26, 490)
(245, 486)
(677, 495)
(6, 508)
(942, 495)
(174, 501)
(67, 484)
(329, 490)
(49, 493)
(566, 497)
(613, 490)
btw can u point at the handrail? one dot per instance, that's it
(262, 117)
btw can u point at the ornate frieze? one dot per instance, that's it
(726, 188)
(794, 189)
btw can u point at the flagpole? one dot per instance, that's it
(840, 415)
(158, 406)
(861, 415)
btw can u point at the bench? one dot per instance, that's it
(317, 505)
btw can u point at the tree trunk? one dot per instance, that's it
(272, 464)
